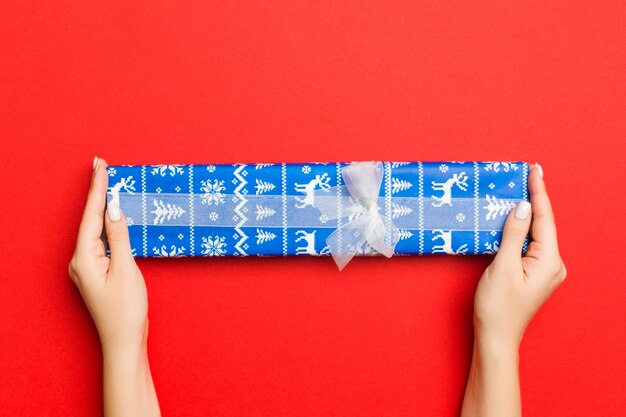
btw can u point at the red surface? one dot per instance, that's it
(200, 81)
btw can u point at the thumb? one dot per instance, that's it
(117, 235)
(515, 231)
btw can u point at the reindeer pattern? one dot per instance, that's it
(308, 247)
(322, 181)
(458, 180)
(125, 183)
(445, 236)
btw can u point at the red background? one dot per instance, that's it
(221, 82)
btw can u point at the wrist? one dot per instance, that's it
(125, 347)
(493, 381)
(497, 339)
(496, 349)
(127, 352)
(125, 343)
(128, 386)
(129, 362)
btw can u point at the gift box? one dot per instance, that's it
(280, 209)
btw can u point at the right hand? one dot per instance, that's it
(514, 287)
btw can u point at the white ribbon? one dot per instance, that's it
(358, 201)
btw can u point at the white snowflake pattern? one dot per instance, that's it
(504, 166)
(306, 169)
(460, 217)
(210, 168)
(111, 171)
(323, 218)
(163, 170)
(213, 192)
(180, 236)
(492, 247)
(158, 190)
(492, 185)
(443, 168)
(511, 184)
(213, 245)
(213, 216)
(161, 237)
(177, 189)
(172, 251)
(130, 221)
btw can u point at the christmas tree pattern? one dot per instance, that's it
(165, 211)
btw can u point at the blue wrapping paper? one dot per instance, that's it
(268, 209)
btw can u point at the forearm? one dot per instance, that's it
(493, 383)
(128, 386)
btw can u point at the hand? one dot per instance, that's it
(509, 294)
(115, 293)
(113, 288)
(513, 287)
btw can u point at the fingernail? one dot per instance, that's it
(522, 210)
(95, 162)
(114, 212)
(539, 169)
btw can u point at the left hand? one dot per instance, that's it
(113, 288)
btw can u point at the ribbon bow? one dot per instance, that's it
(358, 201)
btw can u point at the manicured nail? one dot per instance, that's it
(114, 212)
(95, 162)
(522, 210)
(539, 169)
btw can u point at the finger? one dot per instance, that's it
(543, 229)
(117, 236)
(92, 222)
(514, 233)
